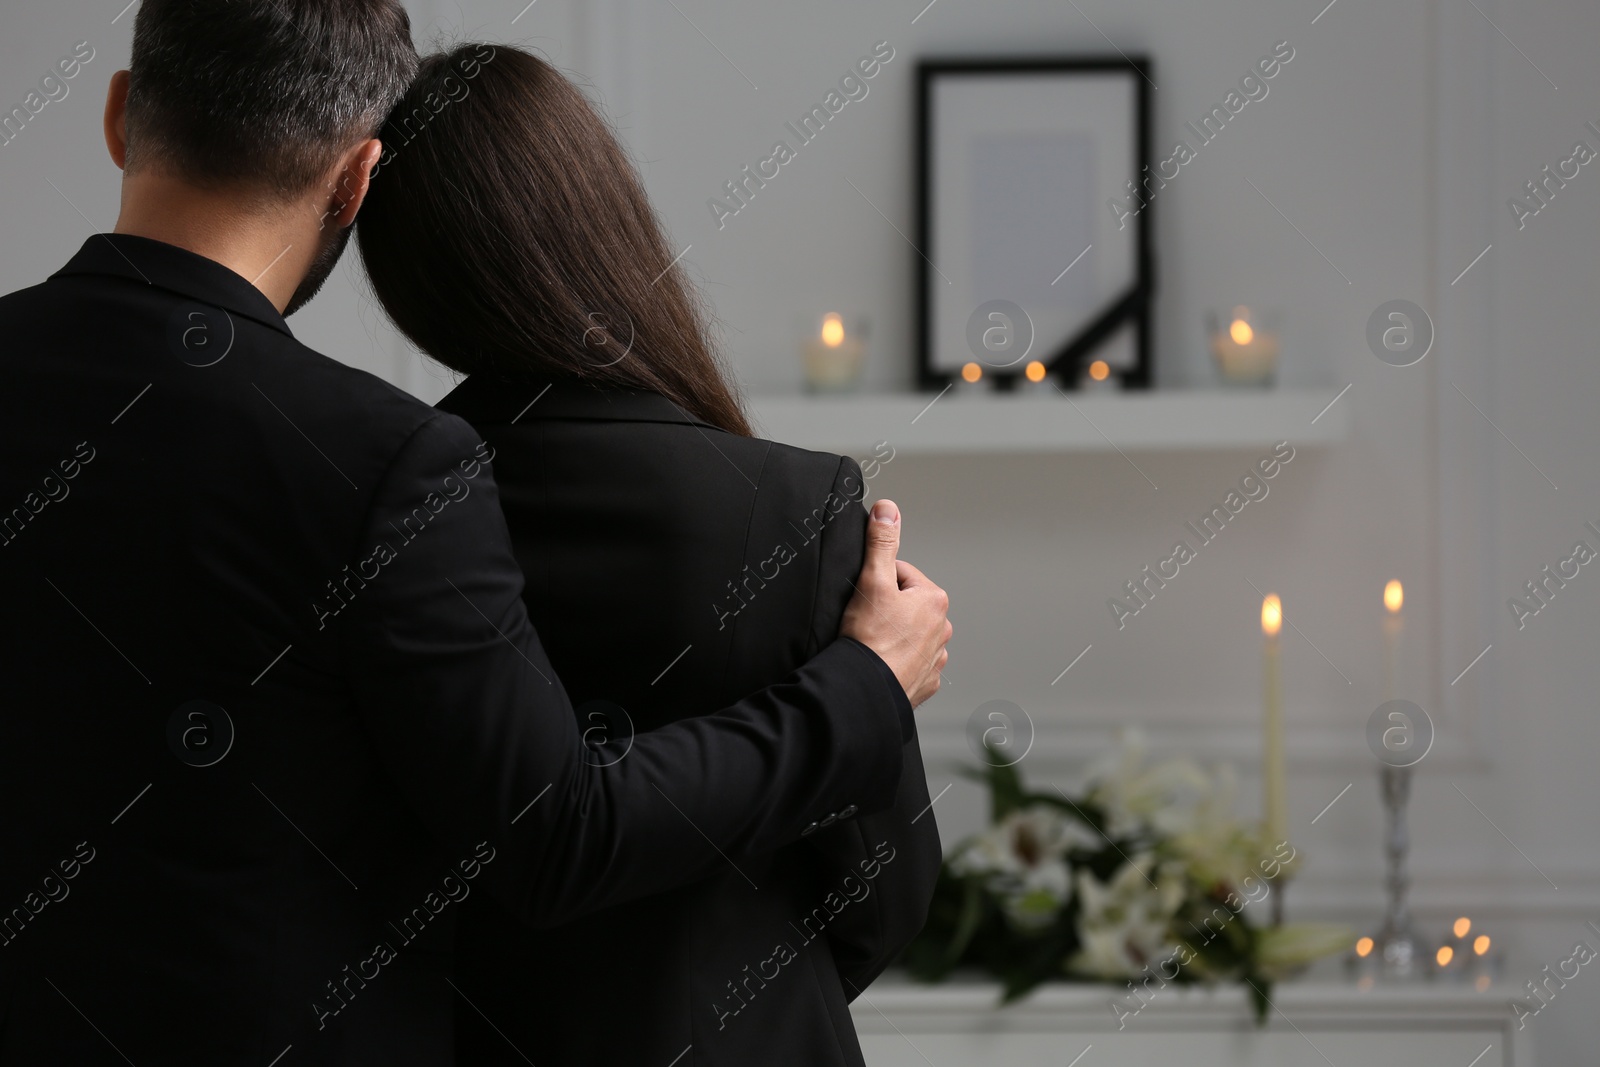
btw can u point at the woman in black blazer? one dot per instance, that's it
(675, 561)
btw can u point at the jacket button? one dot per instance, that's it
(849, 812)
(830, 820)
(808, 831)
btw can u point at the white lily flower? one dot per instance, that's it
(1023, 861)
(1136, 798)
(1125, 923)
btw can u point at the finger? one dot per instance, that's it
(878, 570)
(909, 576)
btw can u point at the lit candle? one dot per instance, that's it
(1274, 781)
(1245, 354)
(1394, 596)
(1097, 378)
(833, 360)
(1036, 380)
(972, 379)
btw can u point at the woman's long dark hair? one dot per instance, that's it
(506, 233)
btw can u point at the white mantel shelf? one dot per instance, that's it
(1314, 1023)
(1020, 423)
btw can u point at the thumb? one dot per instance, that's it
(883, 545)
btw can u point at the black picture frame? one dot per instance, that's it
(1132, 306)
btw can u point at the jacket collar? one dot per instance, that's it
(176, 270)
(484, 400)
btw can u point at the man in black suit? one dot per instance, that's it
(273, 706)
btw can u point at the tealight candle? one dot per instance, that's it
(1036, 382)
(1097, 378)
(972, 381)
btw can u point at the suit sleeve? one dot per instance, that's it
(896, 852)
(471, 721)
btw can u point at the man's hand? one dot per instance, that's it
(897, 612)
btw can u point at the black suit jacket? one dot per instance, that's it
(675, 567)
(273, 707)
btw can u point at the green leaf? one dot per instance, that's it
(1006, 794)
(1019, 983)
(955, 917)
(971, 917)
(1260, 997)
(1083, 811)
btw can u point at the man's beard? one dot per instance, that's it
(321, 268)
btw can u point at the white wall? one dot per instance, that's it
(1392, 141)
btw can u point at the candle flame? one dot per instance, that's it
(1481, 945)
(971, 372)
(1271, 615)
(1035, 371)
(1241, 332)
(1394, 595)
(1099, 370)
(832, 330)
(1364, 947)
(1463, 926)
(1445, 955)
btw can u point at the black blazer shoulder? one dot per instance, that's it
(759, 535)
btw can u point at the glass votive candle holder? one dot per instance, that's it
(834, 352)
(1245, 345)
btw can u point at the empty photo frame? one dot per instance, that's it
(1032, 245)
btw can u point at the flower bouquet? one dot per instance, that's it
(1144, 879)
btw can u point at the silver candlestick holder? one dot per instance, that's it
(1400, 734)
(1396, 945)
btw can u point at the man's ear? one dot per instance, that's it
(352, 177)
(116, 119)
